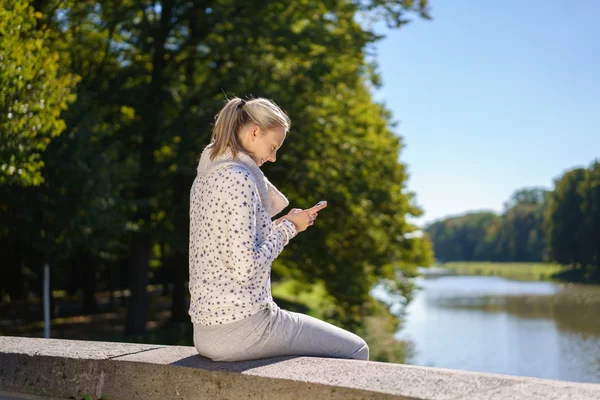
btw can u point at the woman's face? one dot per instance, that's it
(263, 147)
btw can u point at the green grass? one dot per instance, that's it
(312, 298)
(515, 270)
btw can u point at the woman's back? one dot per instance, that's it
(232, 245)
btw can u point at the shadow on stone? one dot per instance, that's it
(238, 366)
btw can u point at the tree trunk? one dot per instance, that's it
(165, 274)
(88, 265)
(74, 283)
(15, 286)
(137, 311)
(124, 267)
(179, 307)
(110, 287)
(152, 123)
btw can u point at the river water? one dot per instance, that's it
(492, 324)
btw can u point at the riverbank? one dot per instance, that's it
(526, 271)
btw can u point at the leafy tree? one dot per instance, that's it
(462, 237)
(363, 235)
(563, 218)
(590, 229)
(78, 213)
(526, 196)
(516, 235)
(32, 94)
(34, 90)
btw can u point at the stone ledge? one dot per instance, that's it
(73, 368)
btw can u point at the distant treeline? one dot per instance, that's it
(560, 225)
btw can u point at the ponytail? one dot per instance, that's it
(237, 113)
(228, 122)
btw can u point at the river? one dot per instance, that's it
(492, 324)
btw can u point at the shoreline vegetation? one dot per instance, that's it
(526, 271)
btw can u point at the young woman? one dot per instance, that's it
(233, 242)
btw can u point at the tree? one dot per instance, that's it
(75, 219)
(526, 196)
(563, 218)
(516, 235)
(589, 191)
(33, 93)
(462, 237)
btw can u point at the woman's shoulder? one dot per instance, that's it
(230, 173)
(232, 170)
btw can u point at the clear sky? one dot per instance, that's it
(493, 96)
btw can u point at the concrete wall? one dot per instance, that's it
(71, 369)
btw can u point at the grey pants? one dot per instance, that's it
(275, 332)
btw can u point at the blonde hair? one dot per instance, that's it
(238, 113)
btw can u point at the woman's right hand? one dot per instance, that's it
(302, 219)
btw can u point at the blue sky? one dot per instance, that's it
(492, 97)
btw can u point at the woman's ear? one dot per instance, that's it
(254, 132)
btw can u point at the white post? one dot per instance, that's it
(46, 301)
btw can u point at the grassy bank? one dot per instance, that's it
(378, 328)
(516, 270)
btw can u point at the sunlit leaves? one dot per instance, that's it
(32, 94)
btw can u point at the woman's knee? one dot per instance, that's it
(363, 353)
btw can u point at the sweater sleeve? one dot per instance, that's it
(247, 256)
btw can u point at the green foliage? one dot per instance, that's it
(575, 232)
(519, 235)
(514, 270)
(516, 235)
(462, 237)
(352, 163)
(589, 190)
(314, 297)
(33, 93)
(378, 331)
(563, 217)
(77, 214)
(559, 226)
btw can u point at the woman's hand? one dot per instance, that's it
(302, 219)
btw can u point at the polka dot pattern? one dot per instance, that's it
(232, 245)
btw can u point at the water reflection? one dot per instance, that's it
(492, 324)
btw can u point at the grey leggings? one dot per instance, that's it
(275, 332)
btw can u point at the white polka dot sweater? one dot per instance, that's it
(232, 239)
